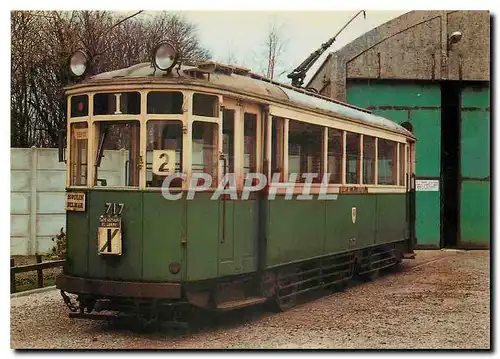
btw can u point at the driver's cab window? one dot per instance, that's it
(163, 152)
(117, 154)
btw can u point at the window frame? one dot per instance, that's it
(95, 123)
(178, 120)
(69, 151)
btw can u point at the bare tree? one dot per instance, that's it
(42, 41)
(275, 44)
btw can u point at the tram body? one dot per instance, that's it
(130, 249)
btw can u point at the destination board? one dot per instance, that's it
(75, 201)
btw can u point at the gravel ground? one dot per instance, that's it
(441, 299)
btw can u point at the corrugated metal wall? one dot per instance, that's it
(419, 104)
(37, 199)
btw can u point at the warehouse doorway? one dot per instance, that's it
(450, 164)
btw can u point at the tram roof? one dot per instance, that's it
(243, 81)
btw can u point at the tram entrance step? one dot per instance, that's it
(240, 303)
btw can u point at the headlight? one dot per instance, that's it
(78, 63)
(165, 56)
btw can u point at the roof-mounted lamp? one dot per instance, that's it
(79, 63)
(165, 56)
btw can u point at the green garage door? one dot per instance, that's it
(475, 168)
(420, 104)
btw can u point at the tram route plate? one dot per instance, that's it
(109, 236)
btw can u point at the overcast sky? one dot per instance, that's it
(243, 33)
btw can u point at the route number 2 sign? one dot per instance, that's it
(163, 162)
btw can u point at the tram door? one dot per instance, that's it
(241, 143)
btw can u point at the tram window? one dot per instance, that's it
(277, 146)
(352, 152)
(228, 139)
(305, 142)
(129, 103)
(78, 156)
(402, 174)
(386, 162)
(204, 150)
(117, 158)
(79, 106)
(250, 143)
(165, 102)
(335, 149)
(163, 152)
(205, 105)
(368, 160)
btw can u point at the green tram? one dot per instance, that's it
(132, 250)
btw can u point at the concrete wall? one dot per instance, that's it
(37, 199)
(413, 46)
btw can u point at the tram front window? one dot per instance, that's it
(117, 160)
(164, 152)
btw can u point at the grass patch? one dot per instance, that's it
(29, 280)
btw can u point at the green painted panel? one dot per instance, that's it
(128, 266)
(226, 245)
(398, 116)
(475, 146)
(203, 224)
(427, 128)
(476, 97)
(295, 230)
(391, 218)
(475, 212)
(163, 228)
(387, 93)
(427, 226)
(237, 252)
(339, 222)
(300, 230)
(77, 229)
(475, 163)
(246, 222)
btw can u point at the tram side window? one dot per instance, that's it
(277, 137)
(165, 102)
(352, 152)
(368, 160)
(335, 149)
(79, 106)
(249, 143)
(126, 102)
(204, 150)
(205, 105)
(402, 173)
(305, 142)
(163, 152)
(387, 162)
(78, 157)
(117, 158)
(228, 139)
